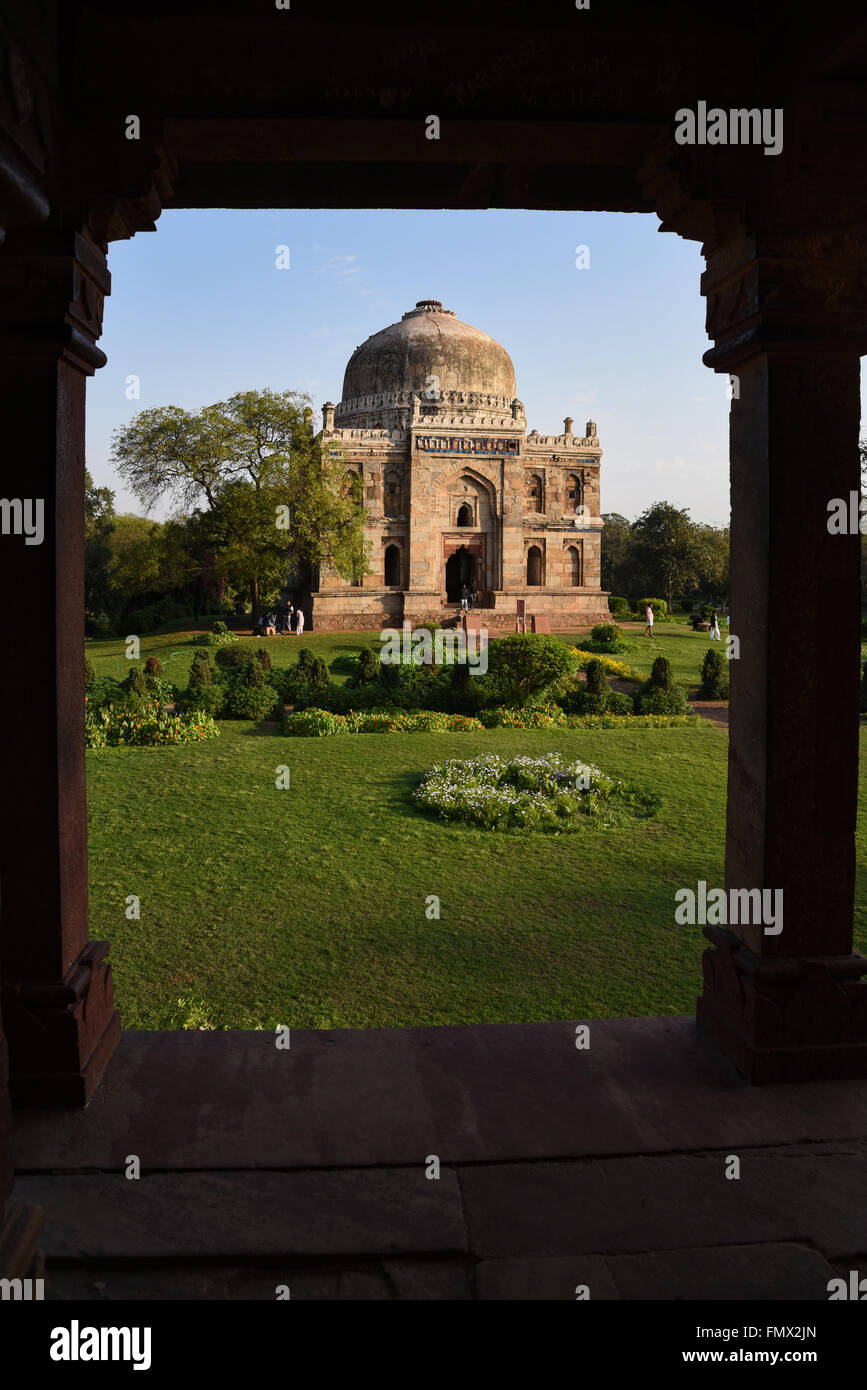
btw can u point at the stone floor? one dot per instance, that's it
(559, 1167)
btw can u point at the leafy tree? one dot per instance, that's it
(712, 558)
(665, 546)
(272, 500)
(618, 562)
(98, 525)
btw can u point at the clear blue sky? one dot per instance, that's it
(199, 310)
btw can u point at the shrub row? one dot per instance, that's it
(318, 723)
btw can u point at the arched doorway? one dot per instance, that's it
(391, 572)
(465, 516)
(534, 565)
(460, 570)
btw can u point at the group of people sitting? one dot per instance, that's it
(281, 621)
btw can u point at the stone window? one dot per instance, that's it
(574, 492)
(391, 565)
(534, 565)
(392, 491)
(465, 515)
(534, 493)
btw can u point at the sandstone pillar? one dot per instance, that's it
(788, 316)
(58, 1014)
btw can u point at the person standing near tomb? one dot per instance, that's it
(300, 626)
(648, 631)
(714, 627)
(464, 597)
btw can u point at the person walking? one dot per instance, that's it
(300, 625)
(714, 627)
(648, 631)
(287, 628)
(464, 597)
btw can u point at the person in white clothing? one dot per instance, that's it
(648, 631)
(300, 628)
(714, 628)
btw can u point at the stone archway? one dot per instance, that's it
(460, 570)
(786, 311)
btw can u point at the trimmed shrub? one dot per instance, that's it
(243, 701)
(620, 607)
(619, 702)
(597, 678)
(135, 683)
(200, 671)
(209, 698)
(609, 637)
(655, 699)
(219, 636)
(661, 675)
(89, 671)
(104, 691)
(715, 676)
(523, 664)
(234, 656)
(264, 659)
(659, 606)
(369, 667)
(152, 666)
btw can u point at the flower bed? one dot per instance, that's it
(118, 726)
(539, 717)
(622, 669)
(632, 721)
(542, 793)
(319, 723)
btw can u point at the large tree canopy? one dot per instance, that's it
(667, 549)
(272, 501)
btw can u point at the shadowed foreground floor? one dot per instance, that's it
(307, 1167)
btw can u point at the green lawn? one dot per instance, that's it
(307, 906)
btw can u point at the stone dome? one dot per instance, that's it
(429, 342)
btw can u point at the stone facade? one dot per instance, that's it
(456, 491)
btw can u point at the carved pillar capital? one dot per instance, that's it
(54, 282)
(786, 292)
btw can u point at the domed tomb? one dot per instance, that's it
(430, 353)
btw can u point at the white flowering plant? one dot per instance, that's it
(536, 793)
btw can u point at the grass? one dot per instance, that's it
(307, 906)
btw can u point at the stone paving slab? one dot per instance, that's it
(440, 1279)
(487, 1093)
(756, 1272)
(657, 1203)
(194, 1215)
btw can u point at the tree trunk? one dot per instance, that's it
(254, 599)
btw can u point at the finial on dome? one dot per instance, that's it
(429, 306)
